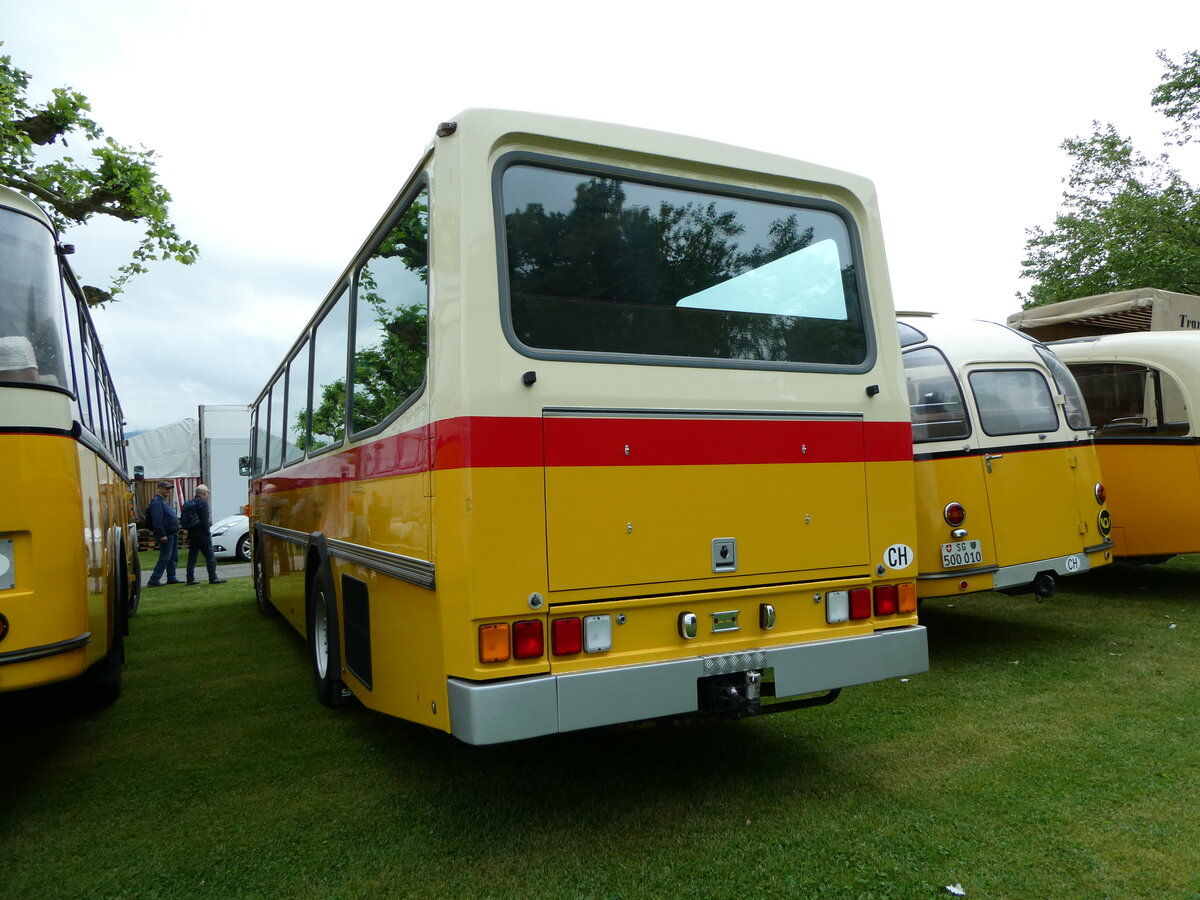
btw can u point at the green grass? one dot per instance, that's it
(147, 559)
(1050, 752)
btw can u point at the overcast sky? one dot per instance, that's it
(283, 130)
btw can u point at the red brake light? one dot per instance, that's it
(566, 636)
(860, 603)
(1101, 494)
(527, 639)
(955, 514)
(885, 600)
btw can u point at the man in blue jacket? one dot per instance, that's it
(199, 539)
(165, 524)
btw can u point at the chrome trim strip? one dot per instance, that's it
(284, 534)
(957, 573)
(519, 708)
(406, 568)
(415, 571)
(28, 653)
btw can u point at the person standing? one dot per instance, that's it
(165, 524)
(199, 539)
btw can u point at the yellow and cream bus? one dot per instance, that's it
(1142, 391)
(599, 425)
(68, 545)
(1009, 494)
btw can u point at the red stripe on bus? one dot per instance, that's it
(470, 442)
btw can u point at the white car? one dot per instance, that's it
(231, 538)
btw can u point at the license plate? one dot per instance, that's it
(961, 553)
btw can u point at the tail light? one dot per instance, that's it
(906, 596)
(493, 642)
(885, 600)
(1101, 494)
(955, 514)
(860, 603)
(528, 642)
(566, 636)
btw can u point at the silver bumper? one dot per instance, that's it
(494, 712)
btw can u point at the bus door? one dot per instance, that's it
(1027, 469)
(956, 552)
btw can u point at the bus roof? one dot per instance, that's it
(19, 202)
(1179, 350)
(966, 341)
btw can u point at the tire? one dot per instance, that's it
(243, 548)
(100, 686)
(134, 579)
(262, 590)
(323, 641)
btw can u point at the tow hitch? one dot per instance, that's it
(740, 694)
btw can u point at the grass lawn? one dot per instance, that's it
(1050, 752)
(147, 559)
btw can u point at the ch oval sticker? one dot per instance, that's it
(898, 556)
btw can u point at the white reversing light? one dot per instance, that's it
(597, 634)
(837, 606)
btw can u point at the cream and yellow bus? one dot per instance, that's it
(68, 545)
(600, 425)
(1009, 494)
(1142, 391)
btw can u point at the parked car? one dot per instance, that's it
(231, 538)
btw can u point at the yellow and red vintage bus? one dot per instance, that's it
(68, 546)
(1009, 495)
(600, 425)
(1142, 392)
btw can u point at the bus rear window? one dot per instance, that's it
(600, 264)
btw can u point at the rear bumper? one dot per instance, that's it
(493, 712)
(1071, 564)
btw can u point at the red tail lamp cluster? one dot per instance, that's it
(501, 641)
(861, 603)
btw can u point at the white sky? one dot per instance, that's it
(284, 129)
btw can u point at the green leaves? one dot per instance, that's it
(1127, 221)
(115, 180)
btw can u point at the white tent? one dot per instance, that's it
(172, 451)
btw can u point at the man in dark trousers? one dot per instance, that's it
(165, 524)
(199, 539)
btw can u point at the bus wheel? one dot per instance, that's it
(323, 642)
(262, 596)
(100, 686)
(134, 581)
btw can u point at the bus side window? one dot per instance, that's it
(391, 319)
(328, 417)
(1121, 398)
(936, 401)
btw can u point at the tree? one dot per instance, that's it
(1127, 221)
(116, 181)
